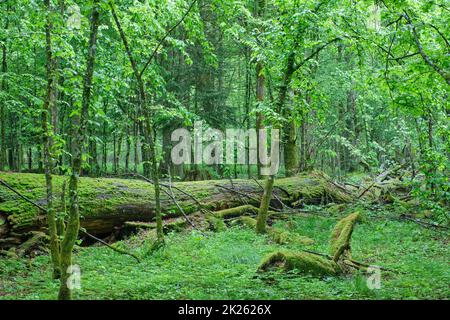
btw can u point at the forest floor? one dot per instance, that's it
(223, 265)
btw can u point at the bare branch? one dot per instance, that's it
(315, 52)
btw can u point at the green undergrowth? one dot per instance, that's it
(223, 265)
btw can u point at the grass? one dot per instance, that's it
(222, 266)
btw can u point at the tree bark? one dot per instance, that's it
(79, 125)
(47, 141)
(108, 203)
(264, 206)
(260, 84)
(3, 84)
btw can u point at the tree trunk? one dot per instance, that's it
(290, 150)
(260, 84)
(260, 81)
(79, 125)
(150, 140)
(105, 141)
(119, 151)
(30, 159)
(47, 142)
(264, 206)
(290, 131)
(108, 203)
(114, 152)
(3, 84)
(128, 150)
(136, 147)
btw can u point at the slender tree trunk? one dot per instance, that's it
(304, 141)
(247, 105)
(47, 120)
(40, 160)
(290, 131)
(19, 146)
(115, 152)
(260, 83)
(150, 140)
(30, 159)
(268, 187)
(433, 168)
(136, 147)
(165, 167)
(119, 151)
(3, 84)
(79, 128)
(94, 158)
(261, 220)
(105, 141)
(128, 150)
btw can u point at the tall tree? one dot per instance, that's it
(47, 140)
(79, 125)
(3, 87)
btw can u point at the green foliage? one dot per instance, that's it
(223, 265)
(363, 85)
(434, 192)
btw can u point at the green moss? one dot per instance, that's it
(300, 261)
(284, 237)
(312, 188)
(248, 222)
(106, 197)
(215, 223)
(168, 226)
(341, 236)
(277, 235)
(225, 264)
(236, 212)
(335, 209)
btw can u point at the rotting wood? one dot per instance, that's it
(106, 204)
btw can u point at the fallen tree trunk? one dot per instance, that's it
(106, 204)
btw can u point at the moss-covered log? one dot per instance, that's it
(301, 261)
(278, 235)
(107, 203)
(236, 212)
(341, 237)
(319, 264)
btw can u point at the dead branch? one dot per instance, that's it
(274, 195)
(380, 178)
(172, 196)
(22, 196)
(423, 223)
(199, 204)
